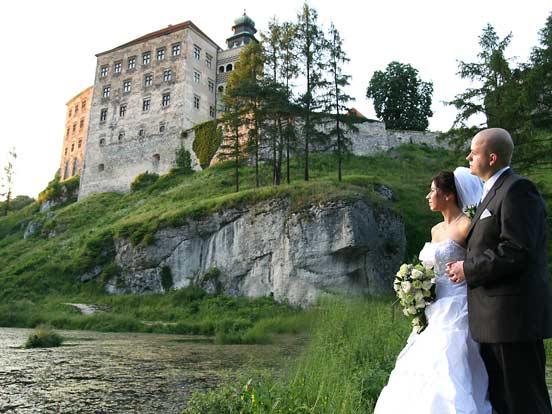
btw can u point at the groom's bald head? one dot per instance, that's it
(497, 141)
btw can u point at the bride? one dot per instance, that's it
(440, 371)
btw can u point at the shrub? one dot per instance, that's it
(183, 162)
(43, 337)
(143, 180)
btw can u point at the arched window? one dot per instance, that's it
(221, 69)
(101, 167)
(121, 136)
(229, 67)
(102, 142)
(75, 166)
(155, 160)
(221, 88)
(66, 170)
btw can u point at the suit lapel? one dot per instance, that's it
(490, 195)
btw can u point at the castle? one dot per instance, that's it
(145, 93)
(148, 91)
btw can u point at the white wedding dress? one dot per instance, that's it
(440, 370)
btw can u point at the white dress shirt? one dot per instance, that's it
(491, 181)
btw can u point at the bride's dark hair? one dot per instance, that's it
(444, 181)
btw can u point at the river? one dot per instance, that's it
(128, 373)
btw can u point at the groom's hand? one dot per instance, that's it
(455, 271)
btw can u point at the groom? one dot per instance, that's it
(509, 301)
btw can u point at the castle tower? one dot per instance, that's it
(244, 33)
(74, 140)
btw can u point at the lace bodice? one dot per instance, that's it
(437, 255)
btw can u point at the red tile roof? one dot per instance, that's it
(163, 32)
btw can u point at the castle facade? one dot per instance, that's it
(146, 93)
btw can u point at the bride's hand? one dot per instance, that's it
(455, 271)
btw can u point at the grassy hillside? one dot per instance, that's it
(40, 273)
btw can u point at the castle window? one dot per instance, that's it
(66, 170)
(221, 69)
(176, 49)
(167, 75)
(103, 71)
(229, 67)
(76, 109)
(148, 79)
(126, 86)
(155, 160)
(106, 91)
(166, 100)
(246, 41)
(197, 76)
(122, 111)
(221, 88)
(160, 54)
(146, 104)
(68, 129)
(69, 113)
(161, 127)
(196, 102)
(197, 52)
(121, 136)
(79, 144)
(208, 60)
(65, 152)
(212, 111)
(81, 124)
(131, 63)
(141, 132)
(103, 114)
(101, 167)
(74, 127)
(72, 147)
(75, 166)
(146, 58)
(83, 104)
(102, 142)
(211, 85)
(118, 67)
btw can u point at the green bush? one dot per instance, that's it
(143, 180)
(43, 337)
(166, 278)
(183, 162)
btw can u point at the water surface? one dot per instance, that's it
(120, 372)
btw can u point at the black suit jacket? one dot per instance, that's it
(506, 265)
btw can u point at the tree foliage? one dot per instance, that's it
(6, 185)
(401, 99)
(518, 99)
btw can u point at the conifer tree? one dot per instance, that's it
(337, 98)
(311, 53)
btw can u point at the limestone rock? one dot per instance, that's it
(268, 249)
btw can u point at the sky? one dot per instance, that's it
(49, 53)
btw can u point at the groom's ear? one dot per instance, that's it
(493, 159)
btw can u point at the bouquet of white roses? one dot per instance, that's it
(415, 288)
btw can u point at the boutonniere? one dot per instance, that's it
(470, 210)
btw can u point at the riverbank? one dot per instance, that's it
(192, 311)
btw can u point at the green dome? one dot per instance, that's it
(244, 20)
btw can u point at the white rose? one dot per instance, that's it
(417, 274)
(412, 310)
(417, 284)
(426, 285)
(405, 312)
(406, 286)
(403, 270)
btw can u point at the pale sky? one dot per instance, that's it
(49, 52)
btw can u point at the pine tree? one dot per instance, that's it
(311, 52)
(337, 98)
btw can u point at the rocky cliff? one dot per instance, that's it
(271, 249)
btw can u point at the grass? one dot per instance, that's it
(352, 350)
(43, 337)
